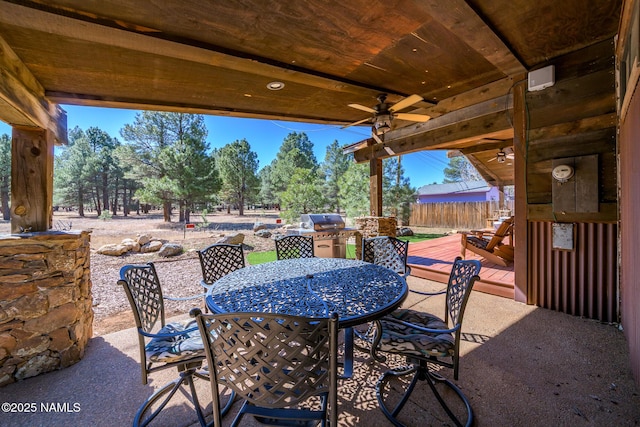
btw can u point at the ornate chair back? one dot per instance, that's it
(294, 246)
(274, 362)
(219, 260)
(387, 251)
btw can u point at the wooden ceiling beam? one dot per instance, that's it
(131, 37)
(487, 174)
(494, 125)
(476, 32)
(22, 100)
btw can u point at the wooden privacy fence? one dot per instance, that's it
(457, 215)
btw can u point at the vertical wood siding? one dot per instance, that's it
(582, 282)
(456, 214)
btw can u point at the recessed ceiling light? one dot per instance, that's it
(275, 85)
(248, 95)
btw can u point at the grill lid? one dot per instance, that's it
(321, 221)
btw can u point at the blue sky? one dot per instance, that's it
(264, 136)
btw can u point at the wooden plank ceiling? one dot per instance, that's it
(218, 58)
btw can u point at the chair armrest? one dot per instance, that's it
(171, 298)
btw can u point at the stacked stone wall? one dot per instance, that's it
(46, 311)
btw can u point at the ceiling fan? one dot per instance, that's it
(503, 155)
(384, 113)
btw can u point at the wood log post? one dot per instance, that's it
(521, 288)
(375, 187)
(31, 180)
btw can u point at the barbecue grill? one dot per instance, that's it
(329, 234)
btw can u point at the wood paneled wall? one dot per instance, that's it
(574, 118)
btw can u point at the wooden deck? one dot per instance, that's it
(432, 259)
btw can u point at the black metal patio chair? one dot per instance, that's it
(163, 345)
(427, 342)
(294, 246)
(283, 366)
(387, 251)
(218, 260)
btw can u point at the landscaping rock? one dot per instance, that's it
(404, 231)
(232, 239)
(263, 233)
(170, 249)
(152, 246)
(259, 226)
(131, 244)
(113, 249)
(143, 239)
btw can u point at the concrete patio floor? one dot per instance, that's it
(521, 365)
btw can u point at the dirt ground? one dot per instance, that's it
(179, 276)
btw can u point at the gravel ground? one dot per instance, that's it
(179, 276)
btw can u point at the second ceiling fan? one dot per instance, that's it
(384, 113)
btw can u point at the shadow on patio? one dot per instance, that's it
(521, 365)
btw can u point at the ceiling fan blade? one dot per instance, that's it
(406, 102)
(363, 108)
(355, 123)
(412, 117)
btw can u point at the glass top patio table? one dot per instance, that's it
(313, 287)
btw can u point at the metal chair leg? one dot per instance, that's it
(420, 372)
(147, 412)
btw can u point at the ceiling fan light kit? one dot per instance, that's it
(384, 114)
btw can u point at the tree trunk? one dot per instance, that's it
(80, 203)
(6, 212)
(105, 192)
(114, 203)
(181, 211)
(125, 202)
(166, 211)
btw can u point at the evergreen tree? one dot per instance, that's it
(335, 165)
(460, 169)
(238, 165)
(74, 171)
(397, 192)
(354, 190)
(304, 195)
(105, 176)
(5, 175)
(166, 145)
(295, 152)
(267, 194)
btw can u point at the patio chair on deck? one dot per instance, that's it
(218, 260)
(491, 245)
(294, 246)
(172, 345)
(276, 363)
(427, 341)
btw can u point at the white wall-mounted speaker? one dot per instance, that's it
(542, 78)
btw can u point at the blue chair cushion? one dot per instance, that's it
(402, 339)
(175, 348)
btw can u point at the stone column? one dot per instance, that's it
(46, 313)
(372, 226)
